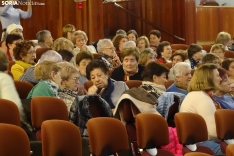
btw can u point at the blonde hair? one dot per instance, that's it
(145, 54)
(147, 44)
(77, 34)
(67, 28)
(66, 70)
(62, 44)
(43, 70)
(217, 46)
(223, 38)
(203, 78)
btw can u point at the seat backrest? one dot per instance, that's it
(187, 131)
(230, 150)
(47, 108)
(196, 154)
(14, 141)
(60, 137)
(23, 88)
(169, 83)
(229, 54)
(169, 65)
(9, 112)
(95, 56)
(112, 133)
(133, 83)
(173, 109)
(151, 135)
(41, 51)
(224, 128)
(10, 64)
(179, 46)
(206, 47)
(87, 85)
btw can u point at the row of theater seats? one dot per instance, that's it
(106, 135)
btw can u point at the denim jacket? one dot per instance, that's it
(166, 100)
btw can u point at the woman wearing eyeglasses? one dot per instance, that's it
(24, 55)
(106, 48)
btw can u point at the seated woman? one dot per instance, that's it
(182, 76)
(177, 56)
(226, 102)
(147, 55)
(142, 43)
(108, 89)
(219, 50)
(24, 54)
(82, 60)
(164, 52)
(194, 55)
(154, 78)
(7, 86)
(49, 76)
(106, 48)
(132, 35)
(154, 39)
(211, 58)
(69, 83)
(118, 42)
(11, 42)
(204, 81)
(228, 64)
(80, 40)
(129, 70)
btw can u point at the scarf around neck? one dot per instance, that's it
(128, 74)
(106, 94)
(193, 63)
(53, 86)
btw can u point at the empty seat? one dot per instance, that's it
(179, 46)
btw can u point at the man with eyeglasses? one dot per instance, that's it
(106, 48)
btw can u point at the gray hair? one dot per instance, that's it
(129, 44)
(101, 44)
(51, 55)
(178, 68)
(41, 35)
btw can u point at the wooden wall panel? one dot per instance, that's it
(212, 20)
(57, 13)
(166, 14)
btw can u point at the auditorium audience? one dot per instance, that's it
(118, 42)
(106, 48)
(11, 42)
(80, 40)
(110, 90)
(130, 69)
(226, 102)
(69, 83)
(68, 31)
(223, 38)
(194, 55)
(49, 76)
(154, 78)
(50, 55)
(177, 56)
(146, 56)
(142, 43)
(204, 81)
(132, 35)
(164, 52)
(219, 50)
(44, 38)
(154, 39)
(129, 44)
(181, 73)
(7, 86)
(82, 60)
(121, 32)
(228, 64)
(24, 55)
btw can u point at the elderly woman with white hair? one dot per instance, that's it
(50, 55)
(129, 44)
(80, 40)
(182, 77)
(106, 48)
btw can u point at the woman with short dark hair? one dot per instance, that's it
(110, 90)
(164, 52)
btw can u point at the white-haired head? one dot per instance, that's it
(102, 44)
(179, 68)
(129, 44)
(51, 55)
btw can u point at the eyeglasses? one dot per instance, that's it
(31, 52)
(71, 32)
(76, 79)
(111, 48)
